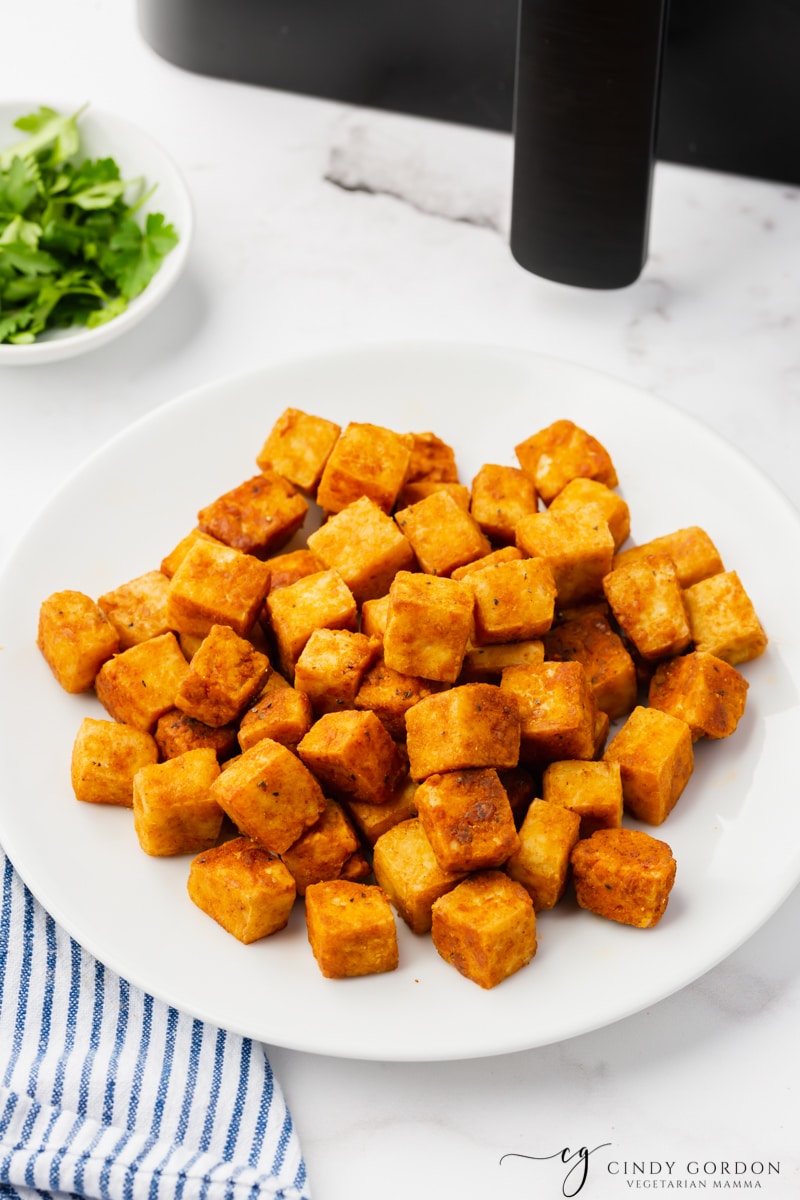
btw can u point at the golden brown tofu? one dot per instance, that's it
(485, 927)
(177, 732)
(412, 493)
(171, 562)
(139, 685)
(579, 493)
(578, 547)
(504, 554)
(374, 614)
(723, 619)
(691, 549)
(501, 497)
(173, 809)
(259, 516)
(514, 601)
(282, 714)
(217, 585)
(105, 758)
(357, 868)
(624, 875)
(353, 754)
(472, 725)
(485, 664)
(647, 602)
(431, 459)
(292, 565)
(367, 460)
(351, 929)
(409, 872)
(246, 890)
(323, 850)
(373, 820)
(561, 452)
(321, 601)
(331, 667)
(590, 640)
(467, 819)
(298, 447)
(365, 546)
(541, 861)
(390, 694)
(428, 626)
(656, 760)
(75, 639)
(223, 677)
(520, 786)
(442, 534)
(270, 795)
(557, 711)
(592, 790)
(138, 609)
(703, 690)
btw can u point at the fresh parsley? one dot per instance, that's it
(72, 251)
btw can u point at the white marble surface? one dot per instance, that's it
(287, 261)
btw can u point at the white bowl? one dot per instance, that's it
(103, 135)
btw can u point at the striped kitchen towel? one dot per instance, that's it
(106, 1092)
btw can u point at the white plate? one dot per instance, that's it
(735, 832)
(105, 135)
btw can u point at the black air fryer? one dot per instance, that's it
(594, 92)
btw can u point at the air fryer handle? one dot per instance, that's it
(585, 114)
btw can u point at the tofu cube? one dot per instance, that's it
(290, 566)
(353, 754)
(442, 534)
(365, 546)
(323, 849)
(704, 691)
(409, 872)
(592, 790)
(259, 516)
(331, 667)
(373, 820)
(485, 927)
(691, 549)
(561, 452)
(374, 614)
(503, 554)
(138, 609)
(589, 639)
(244, 888)
(541, 862)
(647, 602)
(431, 459)
(105, 758)
(177, 732)
(656, 760)
(139, 685)
(171, 561)
(470, 726)
(501, 497)
(367, 460)
(223, 677)
(217, 585)
(557, 711)
(173, 809)
(514, 601)
(421, 489)
(485, 664)
(75, 639)
(269, 795)
(298, 447)
(624, 875)
(578, 547)
(428, 626)
(578, 494)
(467, 819)
(390, 694)
(282, 714)
(351, 929)
(321, 601)
(723, 620)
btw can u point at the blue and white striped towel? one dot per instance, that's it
(108, 1093)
